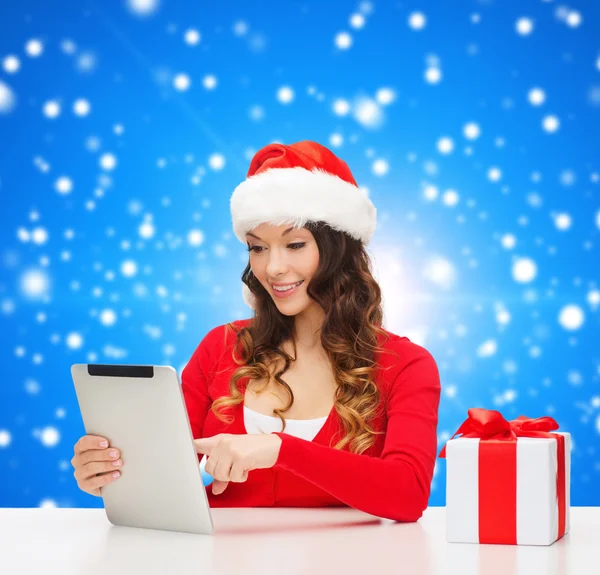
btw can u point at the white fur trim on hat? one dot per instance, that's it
(297, 195)
(248, 296)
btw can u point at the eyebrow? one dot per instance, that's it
(283, 234)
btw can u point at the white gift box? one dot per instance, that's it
(537, 509)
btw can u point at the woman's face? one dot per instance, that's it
(284, 255)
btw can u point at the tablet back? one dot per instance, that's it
(140, 409)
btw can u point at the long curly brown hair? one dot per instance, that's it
(344, 287)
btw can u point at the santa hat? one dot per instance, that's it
(299, 183)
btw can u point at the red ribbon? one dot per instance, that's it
(498, 469)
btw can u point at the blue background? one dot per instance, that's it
(449, 240)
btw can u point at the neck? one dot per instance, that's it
(307, 328)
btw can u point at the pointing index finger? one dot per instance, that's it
(204, 445)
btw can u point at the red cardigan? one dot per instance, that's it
(392, 479)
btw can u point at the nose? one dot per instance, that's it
(277, 264)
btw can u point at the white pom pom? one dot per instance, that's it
(248, 296)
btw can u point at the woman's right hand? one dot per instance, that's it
(94, 464)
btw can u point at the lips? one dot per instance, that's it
(288, 292)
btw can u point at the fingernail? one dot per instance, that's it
(104, 444)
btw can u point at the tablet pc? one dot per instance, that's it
(140, 409)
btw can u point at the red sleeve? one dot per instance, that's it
(194, 381)
(396, 485)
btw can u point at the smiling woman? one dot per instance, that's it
(334, 314)
(360, 401)
(283, 264)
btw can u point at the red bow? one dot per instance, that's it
(490, 424)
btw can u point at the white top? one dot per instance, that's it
(256, 422)
(58, 541)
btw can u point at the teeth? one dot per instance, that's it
(287, 288)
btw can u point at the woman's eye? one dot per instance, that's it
(295, 246)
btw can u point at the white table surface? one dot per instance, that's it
(282, 541)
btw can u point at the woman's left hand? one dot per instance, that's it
(231, 456)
